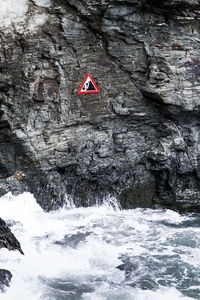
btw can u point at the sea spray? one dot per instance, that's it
(100, 252)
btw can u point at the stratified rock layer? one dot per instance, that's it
(138, 139)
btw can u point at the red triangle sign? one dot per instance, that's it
(88, 86)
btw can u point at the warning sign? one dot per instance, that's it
(88, 86)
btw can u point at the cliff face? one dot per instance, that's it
(138, 139)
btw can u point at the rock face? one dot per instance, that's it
(138, 139)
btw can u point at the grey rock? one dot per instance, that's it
(138, 139)
(179, 143)
(5, 278)
(7, 239)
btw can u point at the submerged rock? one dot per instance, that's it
(138, 139)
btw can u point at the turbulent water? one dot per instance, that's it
(100, 253)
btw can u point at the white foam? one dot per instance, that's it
(69, 202)
(37, 231)
(161, 294)
(111, 201)
(105, 292)
(103, 233)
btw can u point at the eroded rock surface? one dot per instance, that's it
(138, 139)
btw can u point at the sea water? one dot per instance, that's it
(100, 252)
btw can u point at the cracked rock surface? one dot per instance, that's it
(138, 139)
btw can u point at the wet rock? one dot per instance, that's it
(138, 139)
(5, 278)
(7, 239)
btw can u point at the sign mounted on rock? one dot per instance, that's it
(88, 86)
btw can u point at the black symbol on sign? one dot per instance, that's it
(89, 86)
